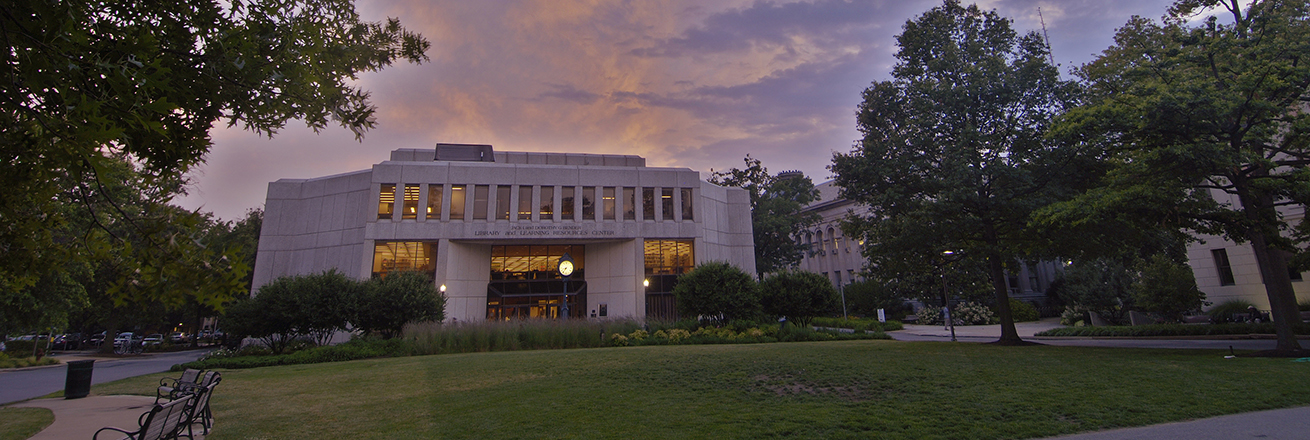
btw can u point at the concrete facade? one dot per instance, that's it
(1240, 279)
(342, 221)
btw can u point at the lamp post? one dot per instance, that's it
(946, 299)
(565, 269)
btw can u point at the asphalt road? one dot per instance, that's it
(27, 383)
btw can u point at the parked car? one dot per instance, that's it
(71, 341)
(96, 339)
(179, 338)
(127, 337)
(154, 339)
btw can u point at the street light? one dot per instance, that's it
(946, 300)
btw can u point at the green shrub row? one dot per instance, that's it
(19, 362)
(727, 335)
(349, 351)
(442, 338)
(1173, 330)
(859, 324)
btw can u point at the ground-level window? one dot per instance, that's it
(392, 256)
(525, 282)
(1225, 269)
(664, 261)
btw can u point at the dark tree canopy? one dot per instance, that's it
(89, 84)
(777, 212)
(798, 295)
(1206, 128)
(718, 292)
(954, 154)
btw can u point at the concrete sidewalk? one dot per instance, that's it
(1278, 424)
(81, 418)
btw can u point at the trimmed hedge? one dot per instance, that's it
(866, 324)
(349, 351)
(1173, 330)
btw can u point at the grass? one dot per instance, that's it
(21, 423)
(840, 389)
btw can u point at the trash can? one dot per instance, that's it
(78, 383)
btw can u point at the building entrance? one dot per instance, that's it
(525, 283)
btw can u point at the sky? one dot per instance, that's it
(684, 83)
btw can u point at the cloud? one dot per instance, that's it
(688, 83)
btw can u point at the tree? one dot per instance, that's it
(1167, 288)
(954, 154)
(797, 295)
(1103, 286)
(1206, 129)
(89, 84)
(718, 292)
(778, 213)
(313, 306)
(386, 304)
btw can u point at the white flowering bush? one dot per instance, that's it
(967, 313)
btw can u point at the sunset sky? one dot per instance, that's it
(683, 83)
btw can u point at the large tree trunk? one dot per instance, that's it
(1259, 211)
(1278, 287)
(996, 271)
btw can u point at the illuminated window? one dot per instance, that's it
(502, 202)
(434, 201)
(410, 209)
(525, 202)
(480, 194)
(686, 204)
(665, 260)
(588, 203)
(608, 196)
(629, 203)
(666, 199)
(386, 201)
(566, 202)
(547, 203)
(457, 196)
(404, 255)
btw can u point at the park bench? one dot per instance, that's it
(164, 421)
(171, 389)
(200, 411)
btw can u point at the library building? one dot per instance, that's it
(509, 235)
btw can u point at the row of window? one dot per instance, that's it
(1225, 268)
(818, 245)
(534, 202)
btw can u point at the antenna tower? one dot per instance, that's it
(1049, 53)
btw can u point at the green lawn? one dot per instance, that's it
(21, 423)
(846, 389)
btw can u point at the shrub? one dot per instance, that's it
(718, 292)
(384, 305)
(1022, 311)
(1173, 330)
(866, 297)
(1226, 309)
(1167, 288)
(797, 295)
(359, 348)
(965, 313)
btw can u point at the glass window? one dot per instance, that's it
(1225, 269)
(502, 202)
(686, 204)
(480, 194)
(669, 257)
(434, 201)
(666, 199)
(525, 202)
(588, 203)
(608, 195)
(648, 203)
(547, 203)
(404, 255)
(629, 203)
(566, 202)
(411, 202)
(457, 195)
(535, 262)
(386, 201)
(832, 235)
